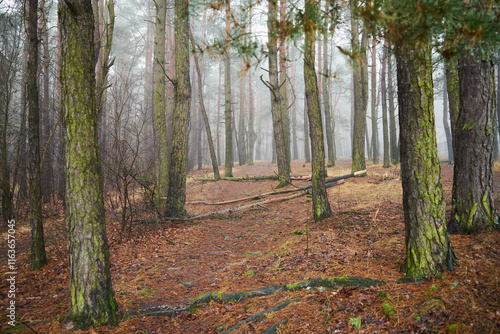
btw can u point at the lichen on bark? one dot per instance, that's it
(91, 291)
(428, 245)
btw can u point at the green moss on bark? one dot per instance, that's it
(428, 246)
(91, 291)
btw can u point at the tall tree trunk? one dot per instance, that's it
(38, 256)
(295, 149)
(359, 128)
(428, 246)
(385, 125)
(92, 296)
(473, 209)
(451, 72)
(326, 97)
(498, 92)
(159, 103)
(199, 128)
(174, 206)
(252, 136)
(278, 115)
(61, 166)
(307, 146)
(218, 115)
(393, 135)
(375, 150)
(213, 156)
(228, 159)
(321, 206)
(47, 152)
(242, 152)
(105, 21)
(447, 129)
(170, 47)
(148, 87)
(283, 81)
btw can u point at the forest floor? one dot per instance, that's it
(272, 244)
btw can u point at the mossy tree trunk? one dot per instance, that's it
(283, 81)
(428, 246)
(176, 198)
(91, 291)
(446, 124)
(242, 151)
(385, 125)
(307, 145)
(451, 73)
(375, 150)
(281, 132)
(473, 208)
(293, 128)
(228, 159)
(359, 127)
(326, 96)
(47, 167)
(252, 136)
(393, 134)
(159, 103)
(38, 256)
(321, 206)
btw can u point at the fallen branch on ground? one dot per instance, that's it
(277, 192)
(301, 192)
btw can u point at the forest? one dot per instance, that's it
(249, 166)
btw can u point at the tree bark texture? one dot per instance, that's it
(280, 129)
(375, 150)
(326, 98)
(359, 128)
(242, 152)
(159, 102)
(446, 124)
(393, 134)
(385, 124)
(293, 128)
(228, 159)
(307, 145)
(38, 256)
(453, 94)
(91, 291)
(321, 205)
(473, 209)
(47, 153)
(176, 198)
(252, 136)
(428, 246)
(283, 80)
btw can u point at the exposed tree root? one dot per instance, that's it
(273, 328)
(260, 316)
(318, 284)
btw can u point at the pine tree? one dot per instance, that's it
(91, 291)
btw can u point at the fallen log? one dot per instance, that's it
(253, 178)
(301, 192)
(243, 207)
(259, 196)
